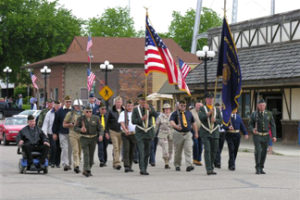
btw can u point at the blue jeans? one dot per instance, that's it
(197, 149)
(102, 150)
(153, 150)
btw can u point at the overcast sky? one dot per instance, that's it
(160, 11)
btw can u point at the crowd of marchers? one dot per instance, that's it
(68, 133)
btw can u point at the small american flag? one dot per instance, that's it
(89, 44)
(157, 55)
(33, 79)
(184, 68)
(90, 79)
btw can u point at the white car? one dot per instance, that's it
(25, 113)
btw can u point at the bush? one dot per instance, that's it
(26, 106)
(21, 89)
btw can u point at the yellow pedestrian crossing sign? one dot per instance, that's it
(106, 93)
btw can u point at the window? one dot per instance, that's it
(245, 106)
(55, 94)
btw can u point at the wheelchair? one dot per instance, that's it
(23, 164)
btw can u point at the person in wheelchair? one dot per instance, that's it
(31, 138)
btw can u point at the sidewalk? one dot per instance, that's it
(278, 148)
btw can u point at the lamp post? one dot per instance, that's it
(205, 55)
(106, 67)
(7, 70)
(46, 72)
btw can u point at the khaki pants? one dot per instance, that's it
(66, 150)
(167, 148)
(76, 147)
(116, 140)
(183, 141)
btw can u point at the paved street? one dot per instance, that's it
(282, 181)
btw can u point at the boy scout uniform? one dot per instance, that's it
(261, 121)
(144, 135)
(89, 139)
(209, 133)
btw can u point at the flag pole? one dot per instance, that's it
(146, 77)
(216, 83)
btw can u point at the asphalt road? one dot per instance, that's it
(282, 181)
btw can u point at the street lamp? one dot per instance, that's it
(7, 70)
(46, 72)
(106, 67)
(205, 55)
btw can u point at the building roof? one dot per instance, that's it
(270, 62)
(116, 50)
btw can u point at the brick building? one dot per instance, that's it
(69, 77)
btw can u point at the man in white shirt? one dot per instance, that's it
(128, 138)
(47, 129)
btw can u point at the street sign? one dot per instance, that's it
(106, 93)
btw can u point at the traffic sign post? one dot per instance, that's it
(106, 93)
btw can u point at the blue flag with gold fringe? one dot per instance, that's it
(229, 69)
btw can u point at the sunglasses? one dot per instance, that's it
(88, 111)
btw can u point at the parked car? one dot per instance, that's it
(7, 110)
(10, 128)
(25, 113)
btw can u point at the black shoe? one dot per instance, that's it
(231, 168)
(69, 168)
(144, 173)
(167, 167)
(177, 169)
(135, 161)
(118, 167)
(189, 168)
(52, 165)
(127, 169)
(211, 173)
(131, 170)
(76, 170)
(85, 173)
(218, 166)
(152, 164)
(66, 168)
(102, 164)
(90, 173)
(262, 171)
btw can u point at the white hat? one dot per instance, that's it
(77, 102)
(166, 105)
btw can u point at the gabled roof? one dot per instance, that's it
(116, 50)
(271, 62)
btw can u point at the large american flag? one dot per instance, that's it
(34, 79)
(90, 79)
(184, 68)
(157, 56)
(89, 43)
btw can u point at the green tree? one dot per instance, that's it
(32, 30)
(181, 28)
(114, 22)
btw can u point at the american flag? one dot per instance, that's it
(184, 68)
(89, 43)
(157, 56)
(90, 79)
(33, 79)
